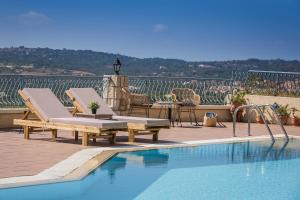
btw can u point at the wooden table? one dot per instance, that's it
(95, 116)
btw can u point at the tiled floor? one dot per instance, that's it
(19, 157)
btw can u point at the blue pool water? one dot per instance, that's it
(248, 170)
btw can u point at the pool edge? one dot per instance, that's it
(83, 162)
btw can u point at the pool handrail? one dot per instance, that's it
(258, 109)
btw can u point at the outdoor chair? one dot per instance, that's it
(137, 102)
(53, 115)
(188, 101)
(81, 97)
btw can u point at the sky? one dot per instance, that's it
(193, 30)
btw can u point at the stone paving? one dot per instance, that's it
(21, 157)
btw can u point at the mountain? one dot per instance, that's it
(22, 60)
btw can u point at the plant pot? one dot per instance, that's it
(283, 119)
(94, 111)
(259, 119)
(295, 121)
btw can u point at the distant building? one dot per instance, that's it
(162, 67)
(10, 66)
(26, 66)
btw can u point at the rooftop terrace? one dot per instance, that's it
(21, 157)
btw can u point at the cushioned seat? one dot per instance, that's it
(147, 121)
(103, 124)
(53, 115)
(83, 96)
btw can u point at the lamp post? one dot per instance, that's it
(117, 66)
(113, 89)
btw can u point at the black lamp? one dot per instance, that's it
(117, 66)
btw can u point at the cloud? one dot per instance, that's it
(159, 28)
(33, 18)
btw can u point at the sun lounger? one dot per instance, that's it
(81, 97)
(53, 115)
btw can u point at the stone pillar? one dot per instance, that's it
(113, 93)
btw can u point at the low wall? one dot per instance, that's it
(259, 99)
(8, 114)
(223, 112)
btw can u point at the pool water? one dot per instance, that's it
(247, 170)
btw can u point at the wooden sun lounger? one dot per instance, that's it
(81, 97)
(58, 117)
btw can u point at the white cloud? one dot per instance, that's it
(33, 18)
(159, 28)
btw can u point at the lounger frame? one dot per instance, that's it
(88, 131)
(132, 128)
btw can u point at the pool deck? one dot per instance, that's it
(21, 157)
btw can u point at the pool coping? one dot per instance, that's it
(83, 162)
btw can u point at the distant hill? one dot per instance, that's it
(22, 60)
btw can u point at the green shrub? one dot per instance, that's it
(93, 105)
(238, 97)
(283, 110)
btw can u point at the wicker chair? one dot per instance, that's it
(188, 102)
(137, 102)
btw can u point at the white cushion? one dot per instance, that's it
(104, 124)
(147, 121)
(84, 96)
(46, 103)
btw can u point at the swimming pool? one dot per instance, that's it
(246, 170)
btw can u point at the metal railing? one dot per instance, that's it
(261, 114)
(269, 83)
(211, 91)
(10, 84)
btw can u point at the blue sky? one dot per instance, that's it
(194, 30)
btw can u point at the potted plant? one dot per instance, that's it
(93, 106)
(258, 117)
(237, 99)
(283, 113)
(169, 97)
(294, 118)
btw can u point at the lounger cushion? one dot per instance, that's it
(84, 96)
(141, 120)
(103, 124)
(46, 103)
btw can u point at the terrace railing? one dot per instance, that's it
(273, 83)
(211, 91)
(10, 84)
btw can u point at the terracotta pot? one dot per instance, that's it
(233, 107)
(259, 119)
(295, 121)
(284, 119)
